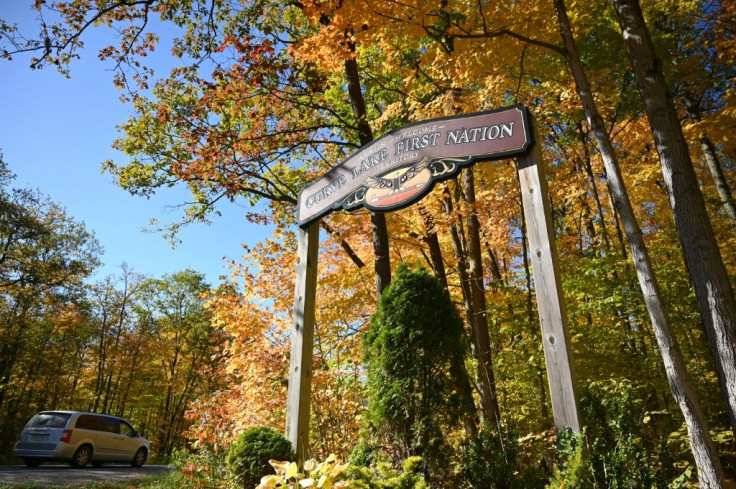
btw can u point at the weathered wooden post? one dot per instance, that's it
(399, 168)
(302, 341)
(548, 287)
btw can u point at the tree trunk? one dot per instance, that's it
(460, 379)
(489, 402)
(365, 135)
(433, 243)
(495, 269)
(710, 471)
(714, 165)
(594, 188)
(459, 250)
(702, 257)
(724, 192)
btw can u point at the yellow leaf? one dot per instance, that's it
(291, 471)
(268, 482)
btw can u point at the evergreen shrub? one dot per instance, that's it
(247, 459)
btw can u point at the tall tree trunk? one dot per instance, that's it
(710, 471)
(378, 219)
(487, 380)
(587, 166)
(702, 257)
(460, 251)
(460, 379)
(433, 243)
(495, 269)
(616, 218)
(716, 171)
(714, 165)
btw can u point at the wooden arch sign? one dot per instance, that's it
(398, 169)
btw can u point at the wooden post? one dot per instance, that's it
(302, 342)
(548, 287)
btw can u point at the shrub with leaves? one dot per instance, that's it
(624, 445)
(574, 471)
(325, 475)
(248, 458)
(489, 459)
(201, 468)
(333, 474)
(383, 476)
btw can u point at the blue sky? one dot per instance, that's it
(56, 132)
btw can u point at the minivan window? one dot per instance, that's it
(49, 420)
(87, 422)
(126, 429)
(110, 425)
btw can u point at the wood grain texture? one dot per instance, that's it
(302, 341)
(548, 288)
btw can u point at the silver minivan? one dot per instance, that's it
(80, 438)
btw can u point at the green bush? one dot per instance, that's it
(333, 473)
(575, 471)
(411, 349)
(489, 461)
(364, 455)
(623, 445)
(247, 459)
(383, 476)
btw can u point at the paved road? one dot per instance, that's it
(65, 476)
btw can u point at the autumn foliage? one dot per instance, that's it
(261, 104)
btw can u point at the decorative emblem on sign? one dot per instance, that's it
(401, 166)
(397, 186)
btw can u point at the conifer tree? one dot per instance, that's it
(412, 349)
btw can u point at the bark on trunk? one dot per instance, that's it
(433, 243)
(716, 171)
(459, 251)
(702, 257)
(714, 165)
(365, 135)
(588, 167)
(710, 471)
(465, 392)
(489, 402)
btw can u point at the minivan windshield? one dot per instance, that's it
(49, 420)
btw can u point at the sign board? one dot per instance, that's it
(401, 166)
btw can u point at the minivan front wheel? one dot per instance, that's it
(82, 456)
